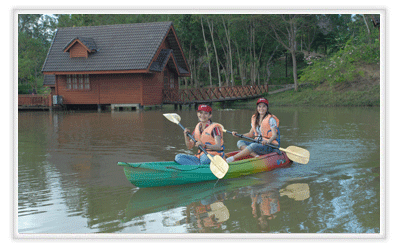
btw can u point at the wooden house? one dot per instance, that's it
(126, 64)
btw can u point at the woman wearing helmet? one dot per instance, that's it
(265, 128)
(207, 134)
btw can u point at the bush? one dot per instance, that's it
(341, 66)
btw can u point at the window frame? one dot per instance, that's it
(78, 82)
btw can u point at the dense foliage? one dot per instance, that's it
(345, 61)
(229, 49)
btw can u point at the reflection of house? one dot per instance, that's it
(115, 64)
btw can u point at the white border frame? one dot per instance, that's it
(213, 10)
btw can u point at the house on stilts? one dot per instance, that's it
(124, 65)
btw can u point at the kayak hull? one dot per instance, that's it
(170, 173)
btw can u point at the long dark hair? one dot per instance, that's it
(258, 115)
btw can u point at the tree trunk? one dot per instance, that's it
(211, 27)
(240, 65)
(269, 64)
(228, 38)
(368, 30)
(293, 52)
(206, 45)
(290, 26)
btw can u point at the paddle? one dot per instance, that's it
(219, 167)
(294, 153)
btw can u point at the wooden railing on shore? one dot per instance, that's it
(34, 100)
(213, 94)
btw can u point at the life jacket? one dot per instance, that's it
(207, 139)
(265, 128)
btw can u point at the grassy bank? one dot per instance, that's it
(361, 90)
(368, 95)
(310, 96)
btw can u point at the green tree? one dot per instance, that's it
(34, 38)
(286, 30)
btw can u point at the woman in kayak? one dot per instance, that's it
(265, 128)
(207, 134)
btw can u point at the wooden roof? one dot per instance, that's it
(119, 48)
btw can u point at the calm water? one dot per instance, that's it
(69, 181)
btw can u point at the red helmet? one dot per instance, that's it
(263, 100)
(205, 108)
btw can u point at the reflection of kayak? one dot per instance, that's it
(170, 173)
(151, 200)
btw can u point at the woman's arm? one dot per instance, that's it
(249, 134)
(273, 137)
(189, 143)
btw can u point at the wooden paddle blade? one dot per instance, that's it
(173, 117)
(219, 167)
(297, 154)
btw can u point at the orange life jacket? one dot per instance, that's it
(207, 139)
(265, 128)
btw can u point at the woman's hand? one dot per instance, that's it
(186, 132)
(263, 142)
(199, 144)
(234, 133)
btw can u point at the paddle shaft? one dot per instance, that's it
(251, 139)
(191, 137)
(290, 152)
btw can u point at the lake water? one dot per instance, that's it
(69, 181)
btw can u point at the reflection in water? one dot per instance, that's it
(297, 191)
(205, 208)
(207, 215)
(68, 180)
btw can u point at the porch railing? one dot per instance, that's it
(34, 100)
(213, 94)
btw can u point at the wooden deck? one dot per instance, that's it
(213, 94)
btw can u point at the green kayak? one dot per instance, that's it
(170, 173)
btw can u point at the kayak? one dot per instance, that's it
(170, 173)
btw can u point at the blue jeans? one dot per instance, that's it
(256, 147)
(185, 159)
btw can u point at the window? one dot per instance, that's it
(87, 84)
(172, 80)
(74, 82)
(68, 81)
(78, 82)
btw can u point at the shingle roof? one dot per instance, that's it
(119, 47)
(161, 61)
(87, 41)
(49, 80)
(166, 56)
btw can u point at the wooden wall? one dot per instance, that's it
(145, 89)
(77, 50)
